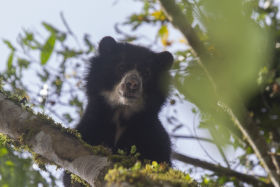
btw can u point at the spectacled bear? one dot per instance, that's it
(126, 87)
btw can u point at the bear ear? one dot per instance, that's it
(165, 59)
(107, 45)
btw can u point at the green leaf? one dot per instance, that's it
(3, 151)
(163, 31)
(9, 163)
(47, 49)
(23, 63)
(203, 125)
(44, 76)
(61, 36)
(188, 177)
(28, 40)
(68, 117)
(75, 102)
(121, 152)
(222, 180)
(146, 7)
(206, 180)
(69, 53)
(137, 166)
(50, 28)
(9, 44)
(133, 149)
(88, 43)
(155, 164)
(10, 61)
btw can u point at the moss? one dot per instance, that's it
(28, 134)
(125, 159)
(8, 142)
(19, 98)
(4, 139)
(1, 83)
(73, 132)
(45, 118)
(77, 179)
(20, 146)
(99, 150)
(149, 175)
(49, 121)
(40, 161)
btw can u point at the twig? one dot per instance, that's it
(223, 155)
(200, 144)
(69, 29)
(202, 139)
(192, 137)
(219, 170)
(257, 142)
(219, 147)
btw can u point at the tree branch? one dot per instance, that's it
(222, 171)
(180, 21)
(206, 140)
(47, 140)
(43, 137)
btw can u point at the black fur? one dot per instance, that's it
(142, 126)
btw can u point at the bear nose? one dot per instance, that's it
(132, 85)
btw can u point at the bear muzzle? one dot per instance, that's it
(131, 85)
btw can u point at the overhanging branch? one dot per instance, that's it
(180, 21)
(219, 170)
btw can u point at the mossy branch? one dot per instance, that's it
(63, 147)
(38, 134)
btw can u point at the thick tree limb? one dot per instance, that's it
(47, 140)
(67, 151)
(220, 170)
(260, 147)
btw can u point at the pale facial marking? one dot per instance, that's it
(116, 97)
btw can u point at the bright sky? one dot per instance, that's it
(96, 17)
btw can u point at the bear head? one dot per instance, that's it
(127, 75)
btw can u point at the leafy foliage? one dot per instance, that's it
(239, 71)
(55, 88)
(16, 170)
